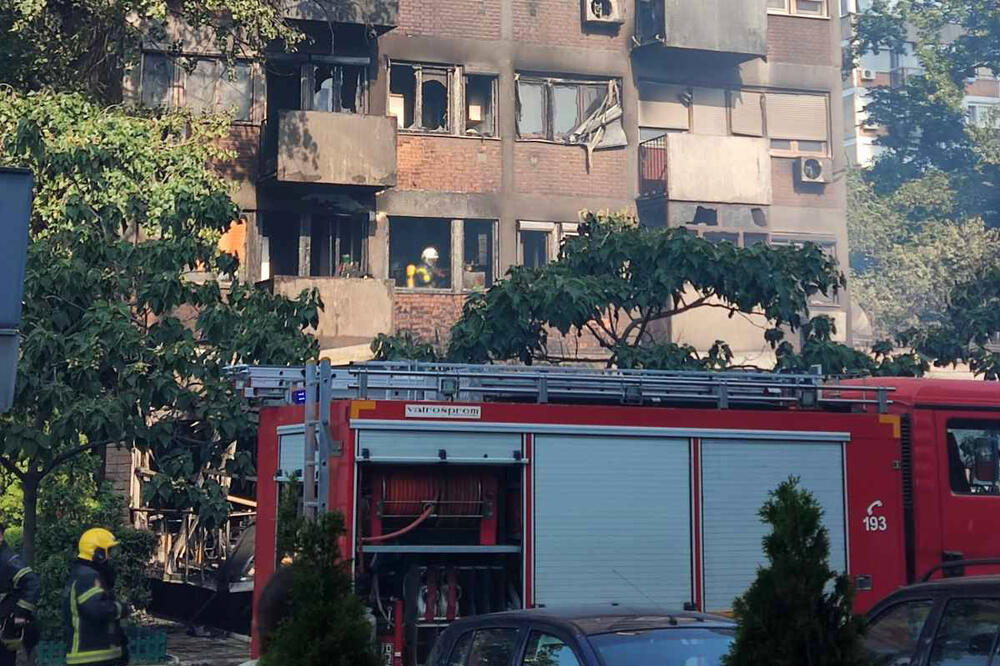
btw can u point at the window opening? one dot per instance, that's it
(759, 217)
(535, 248)
(420, 252)
(336, 247)
(434, 99)
(402, 94)
(479, 117)
(567, 111)
(337, 88)
(282, 232)
(493, 647)
(548, 650)
(531, 110)
(800, 7)
(708, 216)
(967, 633)
(974, 457)
(478, 254)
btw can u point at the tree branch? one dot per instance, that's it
(12, 468)
(72, 453)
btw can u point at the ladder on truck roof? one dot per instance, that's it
(316, 385)
(445, 382)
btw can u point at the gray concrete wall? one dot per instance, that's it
(716, 25)
(355, 309)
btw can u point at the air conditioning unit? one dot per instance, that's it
(868, 75)
(603, 11)
(815, 170)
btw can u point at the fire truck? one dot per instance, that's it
(474, 489)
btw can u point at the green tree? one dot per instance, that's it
(131, 311)
(86, 46)
(323, 622)
(798, 610)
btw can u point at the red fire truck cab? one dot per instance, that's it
(471, 490)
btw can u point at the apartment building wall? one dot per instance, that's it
(498, 185)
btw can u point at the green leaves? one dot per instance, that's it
(127, 329)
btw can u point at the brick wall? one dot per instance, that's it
(788, 192)
(448, 164)
(804, 41)
(429, 315)
(544, 168)
(473, 19)
(559, 23)
(118, 469)
(244, 141)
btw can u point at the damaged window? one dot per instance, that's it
(479, 95)
(420, 252)
(336, 246)
(579, 112)
(478, 254)
(337, 88)
(419, 96)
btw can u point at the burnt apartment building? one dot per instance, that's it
(474, 131)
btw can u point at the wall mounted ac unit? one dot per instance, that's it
(603, 11)
(867, 75)
(815, 170)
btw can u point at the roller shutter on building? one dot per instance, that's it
(736, 479)
(660, 106)
(797, 117)
(746, 111)
(612, 521)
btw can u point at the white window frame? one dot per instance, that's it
(557, 232)
(791, 9)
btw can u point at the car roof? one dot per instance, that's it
(973, 583)
(603, 619)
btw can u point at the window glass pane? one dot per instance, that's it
(781, 144)
(478, 254)
(546, 650)
(647, 133)
(530, 117)
(535, 245)
(664, 646)
(236, 90)
(812, 147)
(493, 647)
(593, 97)
(157, 79)
(777, 4)
(892, 637)
(973, 454)
(199, 87)
(722, 236)
(814, 7)
(967, 633)
(564, 110)
(420, 252)
(460, 653)
(749, 240)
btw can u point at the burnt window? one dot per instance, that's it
(479, 95)
(281, 232)
(336, 246)
(555, 108)
(337, 88)
(420, 97)
(973, 449)
(477, 255)
(420, 252)
(829, 248)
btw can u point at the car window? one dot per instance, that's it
(664, 647)
(547, 650)
(460, 653)
(892, 636)
(967, 633)
(493, 647)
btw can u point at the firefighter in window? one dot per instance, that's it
(20, 590)
(426, 274)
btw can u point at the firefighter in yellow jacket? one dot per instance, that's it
(91, 614)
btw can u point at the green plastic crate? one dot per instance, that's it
(145, 646)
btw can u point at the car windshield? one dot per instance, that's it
(664, 647)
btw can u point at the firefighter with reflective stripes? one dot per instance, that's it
(20, 590)
(91, 614)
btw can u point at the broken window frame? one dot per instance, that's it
(489, 266)
(708, 231)
(337, 66)
(450, 72)
(446, 251)
(549, 83)
(827, 244)
(490, 110)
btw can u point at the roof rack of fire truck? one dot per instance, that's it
(443, 382)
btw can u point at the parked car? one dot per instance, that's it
(585, 637)
(952, 621)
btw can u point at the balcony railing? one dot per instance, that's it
(653, 167)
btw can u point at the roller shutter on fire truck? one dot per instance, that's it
(612, 520)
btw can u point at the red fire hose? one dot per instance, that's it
(398, 533)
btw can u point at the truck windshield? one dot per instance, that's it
(664, 647)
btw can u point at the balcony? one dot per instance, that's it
(703, 168)
(331, 149)
(382, 15)
(738, 29)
